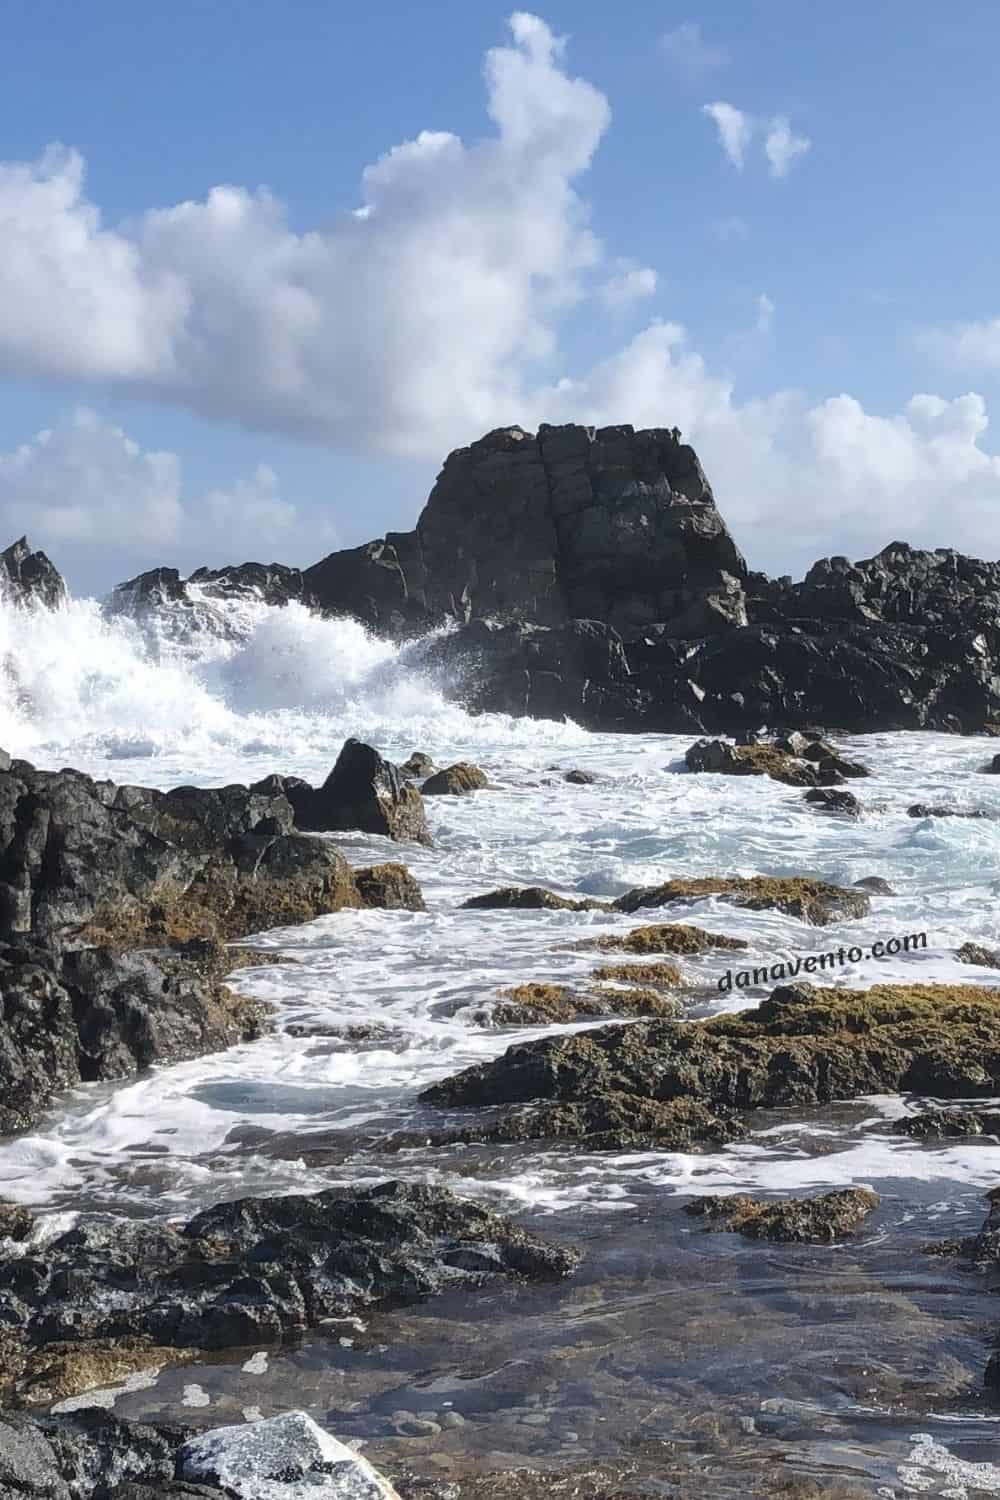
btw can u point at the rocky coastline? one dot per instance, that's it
(574, 574)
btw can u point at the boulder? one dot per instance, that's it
(29, 577)
(577, 777)
(281, 1458)
(826, 799)
(455, 781)
(363, 792)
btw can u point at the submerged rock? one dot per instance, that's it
(814, 901)
(530, 898)
(801, 1046)
(935, 810)
(876, 884)
(580, 778)
(253, 1271)
(750, 760)
(608, 1122)
(951, 1124)
(455, 781)
(812, 1221)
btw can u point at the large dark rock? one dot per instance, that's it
(94, 1014)
(607, 524)
(29, 577)
(363, 792)
(254, 1271)
(802, 1046)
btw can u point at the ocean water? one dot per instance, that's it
(231, 692)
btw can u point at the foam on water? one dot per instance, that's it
(235, 690)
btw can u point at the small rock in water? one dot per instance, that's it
(975, 953)
(418, 765)
(455, 781)
(932, 810)
(829, 800)
(819, 1221)
(281, 1458)
(875, 884)
(580, 778)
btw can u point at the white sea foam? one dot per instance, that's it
(270, 689)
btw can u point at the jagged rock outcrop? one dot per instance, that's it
(29, 577)
(90, 870)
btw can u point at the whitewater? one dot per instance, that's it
(370, 1007)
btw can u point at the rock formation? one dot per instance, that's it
(589, 575)
(29, 577)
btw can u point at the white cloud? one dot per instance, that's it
(973, 346)
(783, 147)
(630, 283)
(798, 482)
(86, 484)
(406, 325)
(735, 130)
(687, 51)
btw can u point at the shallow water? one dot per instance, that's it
(671, 1345)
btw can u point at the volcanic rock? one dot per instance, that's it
(826, 799)
(363, 792)
(530, 898)
(455, 781)
(29, 577)
(256, 1270)
(814, 901)
(812, 1221)
(976, 953)
(801, 1046)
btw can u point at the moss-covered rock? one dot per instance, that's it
(813, 1221)
(801, 1046)
(815, 901)
(539, 1004)
(455, 781)
(666, 937)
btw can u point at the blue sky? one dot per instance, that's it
(552, 226)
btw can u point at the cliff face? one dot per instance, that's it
(572, 523)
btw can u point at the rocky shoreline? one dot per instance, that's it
(589, 574)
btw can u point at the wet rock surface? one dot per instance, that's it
(455, 781)
(256, 1271)
(539, 1004)
(363, 791)
(811, 1221)
(90, 870)
(29, 577)
(803, 1045)
(815, 901)
(531, 898)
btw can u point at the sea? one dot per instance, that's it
(673, 1351)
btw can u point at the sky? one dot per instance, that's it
(263, 266)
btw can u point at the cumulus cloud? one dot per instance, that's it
(970, 346)
(783, 147)
(85, 484)
(630, 283)
(765, 314)
(799, 481)
(689, 54)
(403, 327)
(735, 130)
